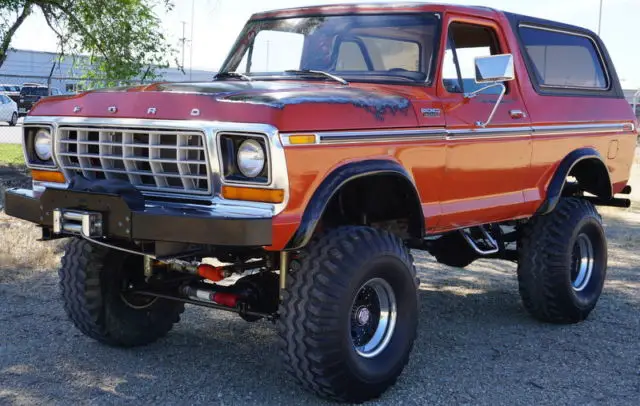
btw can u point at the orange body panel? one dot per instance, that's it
(462, 180)
(472, 181)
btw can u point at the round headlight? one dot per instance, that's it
(42, 145)
(250, 158)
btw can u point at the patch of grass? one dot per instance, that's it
(11, 154)
(19, 248)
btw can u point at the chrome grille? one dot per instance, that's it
(152, 160)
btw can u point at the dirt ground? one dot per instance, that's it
(476, 344)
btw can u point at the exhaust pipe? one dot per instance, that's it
(613, 202)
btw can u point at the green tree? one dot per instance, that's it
(119, 39)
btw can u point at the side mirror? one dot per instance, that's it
(496, 68)
(494, 71)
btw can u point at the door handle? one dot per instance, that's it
(517, 114)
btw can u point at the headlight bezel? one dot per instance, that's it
(32, 159)
(228, 148)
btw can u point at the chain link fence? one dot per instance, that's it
(18, 93)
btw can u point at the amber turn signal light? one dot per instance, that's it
(47, 176)
(253, 194)
(301, 139)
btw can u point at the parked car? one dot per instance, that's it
(8, 110)
(13, 91)
(333, 140)
(30, 94)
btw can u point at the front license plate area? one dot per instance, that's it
(105, 214)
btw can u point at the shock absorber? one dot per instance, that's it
(228, 299)
(211, 272)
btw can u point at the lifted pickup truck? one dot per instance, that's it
(334, 140)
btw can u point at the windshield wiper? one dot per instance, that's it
(236, 75)
(317, 73)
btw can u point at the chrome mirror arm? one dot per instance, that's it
(482, 89)
(495, 108)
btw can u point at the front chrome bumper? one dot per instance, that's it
(87, 212)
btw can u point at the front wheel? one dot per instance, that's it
(563, 262)
(349, 314)
(93, 283)
(14, 119)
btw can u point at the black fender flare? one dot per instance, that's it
(557, 183)
(334, 182)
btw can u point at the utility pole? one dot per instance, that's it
(600, 18)
(191, 49)
(184, 40)
(268, 45)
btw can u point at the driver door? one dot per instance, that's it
(485, 167)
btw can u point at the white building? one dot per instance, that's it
(24, 66)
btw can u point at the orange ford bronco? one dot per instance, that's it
(332, 141)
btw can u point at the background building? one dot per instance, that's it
(24, 66)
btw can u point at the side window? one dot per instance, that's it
(562, 59)
(2, 101)
(350, 57)
(466, 43)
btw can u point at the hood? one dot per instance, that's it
(288, 105)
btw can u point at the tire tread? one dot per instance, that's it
(307, 306)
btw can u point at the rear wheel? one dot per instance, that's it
(14, 119)
(94, 281)
(349, 314)
(563, 262)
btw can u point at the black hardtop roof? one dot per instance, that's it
(517, 19)
(514, 18)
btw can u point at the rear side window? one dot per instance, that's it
(564, 60)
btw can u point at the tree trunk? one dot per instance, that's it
(6, 41)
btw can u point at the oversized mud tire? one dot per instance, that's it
(92, 281)
(349, 314)
(563, 262)
(453, 250)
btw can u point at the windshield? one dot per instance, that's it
(396, 47)
(34, 91)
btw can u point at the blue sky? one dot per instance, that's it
(218, 22)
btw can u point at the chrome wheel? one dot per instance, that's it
(373, 317)
(582, 263)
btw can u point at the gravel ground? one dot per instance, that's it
(476, 344)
